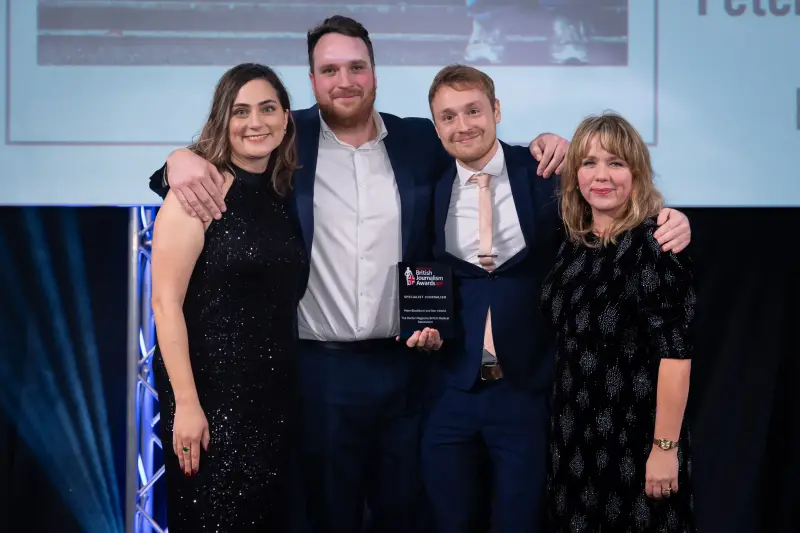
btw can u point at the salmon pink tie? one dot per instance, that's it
(485, 256)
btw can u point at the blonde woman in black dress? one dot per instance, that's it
(619, 445)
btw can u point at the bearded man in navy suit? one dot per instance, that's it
(363, 199)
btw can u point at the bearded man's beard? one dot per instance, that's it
(333, 116)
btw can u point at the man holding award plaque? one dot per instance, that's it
(362, 198)
(498, 229)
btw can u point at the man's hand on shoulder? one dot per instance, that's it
(549, 150)
(674, 231)
(197, 184)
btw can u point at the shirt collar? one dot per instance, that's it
(495, 166)
(379, 125)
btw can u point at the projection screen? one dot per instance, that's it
(98, 92)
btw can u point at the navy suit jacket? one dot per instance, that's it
(523, 339)
(417, 159)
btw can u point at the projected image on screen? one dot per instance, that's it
(98, 92)
(412, 32)
(71, 58)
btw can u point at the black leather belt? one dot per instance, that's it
(367, 345)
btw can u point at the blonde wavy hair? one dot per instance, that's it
(617, 136)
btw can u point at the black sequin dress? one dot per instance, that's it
(618, 310)
(240, 310)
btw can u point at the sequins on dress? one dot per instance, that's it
(618, 310)
(240, 310)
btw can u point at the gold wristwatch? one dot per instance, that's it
(665, 444)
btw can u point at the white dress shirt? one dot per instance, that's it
(352, 286)
(461, 229)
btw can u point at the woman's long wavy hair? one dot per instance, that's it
(213, 143)
(617, 136)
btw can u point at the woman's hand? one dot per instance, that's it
(661, 474)
(190, 431)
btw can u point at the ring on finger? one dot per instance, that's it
(185, 449)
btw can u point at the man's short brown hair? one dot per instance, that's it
(343, 26)
(462, 78)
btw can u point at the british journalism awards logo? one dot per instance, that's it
(423, 277)
(410, 279)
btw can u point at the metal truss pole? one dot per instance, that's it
(144, 466)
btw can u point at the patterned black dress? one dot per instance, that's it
(240, 310)
(618, 311)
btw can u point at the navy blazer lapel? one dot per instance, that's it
(402, 165)
(308, 125)
(522, 189)
(443, 193)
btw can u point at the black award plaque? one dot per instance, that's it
(425, 297)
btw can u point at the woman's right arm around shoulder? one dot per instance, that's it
(177, 243)
(197, 184)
